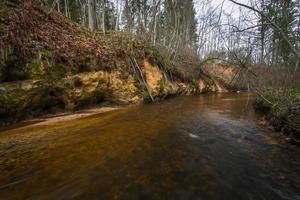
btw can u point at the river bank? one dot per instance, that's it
(281, 107)
(64, 67)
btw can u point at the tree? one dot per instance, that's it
(91, 15)
(280, 16)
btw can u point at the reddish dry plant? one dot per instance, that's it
(31, 28)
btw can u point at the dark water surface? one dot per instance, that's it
(207, 147)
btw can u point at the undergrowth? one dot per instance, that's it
(282, 106)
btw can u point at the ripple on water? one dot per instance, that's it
(207, 147)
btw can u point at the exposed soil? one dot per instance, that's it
(67, 116)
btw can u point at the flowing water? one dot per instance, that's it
(206, 147)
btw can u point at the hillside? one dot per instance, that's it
(50, 64)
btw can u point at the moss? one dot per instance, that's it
(13, 68)
(12, 98)
(5, 10)
(141, 90)
(2, 29)
(284, 112)
(154, 56)
(162, 90)
(44, 67)
(11, 102)
(58, 72)
(46, 54)
(34, 66)
(138, 83)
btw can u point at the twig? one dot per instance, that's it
(265, 99)
(55, 2)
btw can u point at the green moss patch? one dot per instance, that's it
(282, 106)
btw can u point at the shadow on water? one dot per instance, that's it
(207, 147)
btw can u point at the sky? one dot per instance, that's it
(228, 6)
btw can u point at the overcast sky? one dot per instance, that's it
(228, 6)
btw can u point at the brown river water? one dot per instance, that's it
(194, 147)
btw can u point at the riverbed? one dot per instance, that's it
(192, 147)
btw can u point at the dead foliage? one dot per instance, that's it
(30, 28)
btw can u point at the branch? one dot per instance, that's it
(295, 52)
(264, 98)
(142, 76)
(248, 28)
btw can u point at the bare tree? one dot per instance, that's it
(292, 47)
(91, 14)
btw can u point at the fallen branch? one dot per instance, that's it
(265, 99)
(142, 76)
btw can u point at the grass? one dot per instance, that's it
(282, 107)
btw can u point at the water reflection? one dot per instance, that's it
(208, 147)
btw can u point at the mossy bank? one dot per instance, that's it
(282, 109)
(50, 64)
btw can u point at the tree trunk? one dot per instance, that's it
(91, 14)
(66, 8)
(83, 15)
(276, 27)
(127, 12)
(103, 16)
(262, 34)
(117, 14)
(58, 5)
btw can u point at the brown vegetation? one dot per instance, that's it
(51, 64)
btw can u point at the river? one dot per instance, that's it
(193, 147)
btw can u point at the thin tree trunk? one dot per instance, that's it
(91, 14)
(83, 14)
(58, 5)
(103, 16)
(66, 8)
(117, 15)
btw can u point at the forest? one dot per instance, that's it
(266, 30)
(149, 99)
(262, 33)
